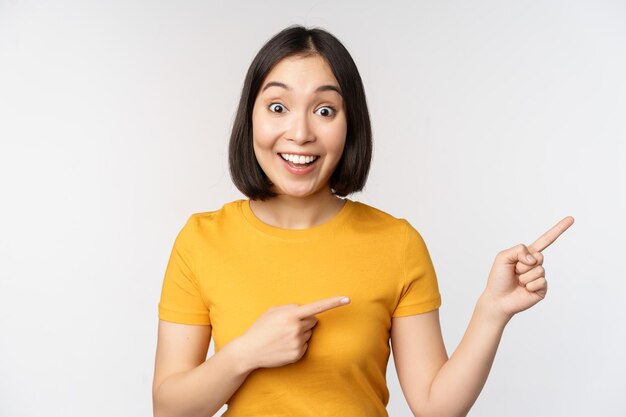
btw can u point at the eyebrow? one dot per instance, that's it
(326, 87)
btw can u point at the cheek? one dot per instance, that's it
(335, 137)
(262, 133)
(266, 130)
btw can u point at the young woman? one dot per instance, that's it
(266, 276)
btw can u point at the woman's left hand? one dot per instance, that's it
(516, 282)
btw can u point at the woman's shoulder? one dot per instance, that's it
(382, 221)
(207, 218)
(375, 215)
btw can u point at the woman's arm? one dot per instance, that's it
(449, 388)
(458, 383)
(202, 390)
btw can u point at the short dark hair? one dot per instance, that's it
(351, 172)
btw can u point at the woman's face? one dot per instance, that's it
(299, 111)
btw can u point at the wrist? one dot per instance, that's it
(490, 309)
(236, 350)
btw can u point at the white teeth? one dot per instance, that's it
(298, 159)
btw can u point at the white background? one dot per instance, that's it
(492, 121)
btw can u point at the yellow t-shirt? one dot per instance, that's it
(227, 267)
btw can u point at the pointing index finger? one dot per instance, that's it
(551, 235)
(316, 307)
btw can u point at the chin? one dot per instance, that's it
(297, 193)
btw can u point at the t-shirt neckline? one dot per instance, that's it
(297, 234)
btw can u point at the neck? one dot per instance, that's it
(289, 212)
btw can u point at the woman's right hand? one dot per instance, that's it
(280, 336)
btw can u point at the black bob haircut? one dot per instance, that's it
(351, 172)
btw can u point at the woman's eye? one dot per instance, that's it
(327, 111)
(275, 106)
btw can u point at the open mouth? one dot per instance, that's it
(300, 165)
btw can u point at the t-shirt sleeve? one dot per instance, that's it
(420, 292)
(181, 300)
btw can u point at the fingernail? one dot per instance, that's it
(345, 300)
(530, 258)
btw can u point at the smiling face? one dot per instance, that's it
(299, 111)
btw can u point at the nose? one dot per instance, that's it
(300, 130)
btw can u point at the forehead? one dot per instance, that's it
(300, 73)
